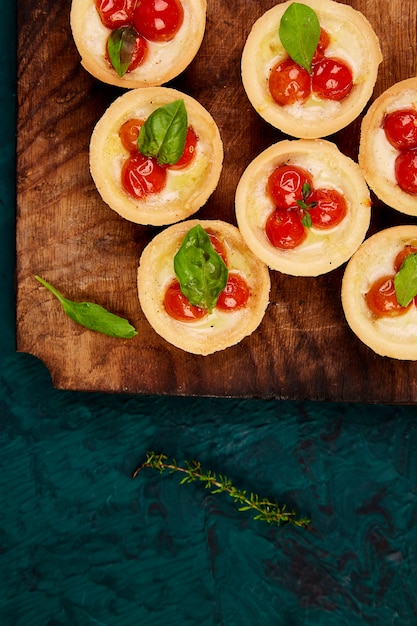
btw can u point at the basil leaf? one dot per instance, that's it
(164, 133)
(120, 46)
(200, 270)
(93, 316)
(299, 32)
(405, 280)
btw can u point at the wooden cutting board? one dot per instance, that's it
(66, 234)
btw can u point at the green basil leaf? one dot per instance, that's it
(299, 32)
(163, 134)
(405, 280)
(93, 316)
(120, 46)
(200, 270)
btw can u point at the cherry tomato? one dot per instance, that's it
(402, 255)
(235, 295)
(285, 185)
(401, 128)
(142, 176)
(406, 171)
(115, 13)
(284, 229)
(382, 300)
(331, 79)
(179, 307)
(189, 151)
(158, 20)
(330, 209)
(137, 53)
(129, 133)
(289, 83)
(322, 46)
(218, 246)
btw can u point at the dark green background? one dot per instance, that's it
(82, 544)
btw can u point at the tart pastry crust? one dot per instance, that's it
(186, 190)
(352, 40)
(219, 329)
(323, 250)
(377, 156)
(164, 61)
(394, 337)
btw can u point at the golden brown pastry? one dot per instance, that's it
(239, 309)
(395, 113)
(163, 60)
(184, 190)
(273, 221)
(370, 306)
(350, 41)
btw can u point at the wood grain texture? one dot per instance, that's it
(65, 233)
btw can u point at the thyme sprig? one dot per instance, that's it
(265, 510)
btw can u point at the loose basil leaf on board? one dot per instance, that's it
(120, 46)
(93, 316)
(405, 280)
(200, 270)
(299, 32)
(163, 134)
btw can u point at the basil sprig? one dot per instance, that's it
(163, 134)
(200, 270)
(93, 316)
(299, 32)
(120, 46)
(306, 206)
(405, 280)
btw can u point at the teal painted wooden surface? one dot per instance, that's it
(82, 544)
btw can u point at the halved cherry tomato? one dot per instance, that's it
(158, 20)
(137, 53)
(189, 151)
(331, 79)
(179, 307)
(406, 171)
(289, 83)
(218, 246)
(401, 128)
(115, 13)
(284, 229)
(285, 185)
(330, 209)
(142, 176)
(235, 295)
(129, 133)
(382, 300)
(402, 255)
(322, 46)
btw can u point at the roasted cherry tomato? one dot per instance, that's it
(115, 13)
(331, 79)
(289, 83)
(189, 151)
(136, 53)
(129, 133)
(401, 128)
(382, 300)
(402, 255)
(235, 295)
(284, 229)
(322, 46)
(406, 171)
(158, 20)
(179, 307)
(330, 209)
(285, 185)
(142, 176)
(218, 246)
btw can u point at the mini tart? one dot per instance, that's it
(217, 330)
(323, 250)
(186, 190)
(164, 61)
(395, 337)
(352, 40)
(377, 156)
